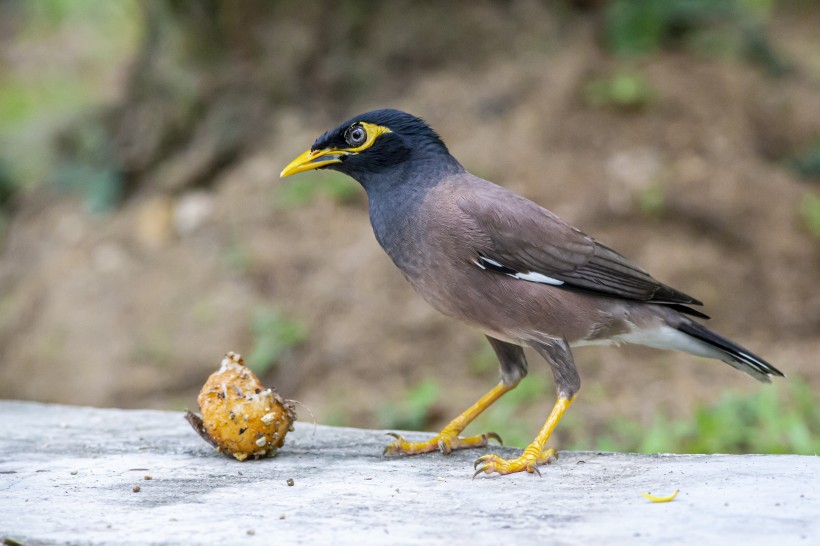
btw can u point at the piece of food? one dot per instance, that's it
(239, 416)
(653, 498)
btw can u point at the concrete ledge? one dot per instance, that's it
(67, 475)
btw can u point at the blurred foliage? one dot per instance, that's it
(625, 90)
(7, 191)
(7, 187)
(59, 62)
(413, 410)
(644, 26)
(195, 82)
(705, 27)
(238, 257)
(88, 170)
(652, 200)
(783, 418)
(810, 212)
(155, 347)
(304, 189)
(505, 417)
(338, 416)
(273, 336)
(807, 163)
(759, 50)
(211, 68)
(483, 361)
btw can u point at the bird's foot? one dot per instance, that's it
(529, 461)
(445, 441)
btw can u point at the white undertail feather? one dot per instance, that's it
(660, 337)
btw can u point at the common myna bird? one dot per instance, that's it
(501, 263)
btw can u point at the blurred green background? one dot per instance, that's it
(144, 231)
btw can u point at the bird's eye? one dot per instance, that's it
(356, 135)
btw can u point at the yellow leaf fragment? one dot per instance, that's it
(652, 498)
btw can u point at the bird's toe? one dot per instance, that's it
(527, 462)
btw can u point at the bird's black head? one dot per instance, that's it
(370, 144)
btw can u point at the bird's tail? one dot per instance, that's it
(730, 352)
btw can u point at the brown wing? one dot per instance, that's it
(527, 241)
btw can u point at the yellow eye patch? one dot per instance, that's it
(373, 132)
(313, 159)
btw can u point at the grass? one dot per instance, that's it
(782, 418)
(274, 335)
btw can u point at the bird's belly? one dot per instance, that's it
(505, 308)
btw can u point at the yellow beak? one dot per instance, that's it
(313, 159)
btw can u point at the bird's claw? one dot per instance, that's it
(445, 442)
(392, 449)
(527, 462)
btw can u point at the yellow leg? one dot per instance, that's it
(448, 439)
(535, 454)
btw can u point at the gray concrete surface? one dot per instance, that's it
(67, 476)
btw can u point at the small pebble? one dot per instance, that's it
(282, 515)
(251, 532)
(290, 482)
(148, 477)
(73, 472)
(136, 489)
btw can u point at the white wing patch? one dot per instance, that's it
(492, 262)
(538, 277)
(483, 262)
